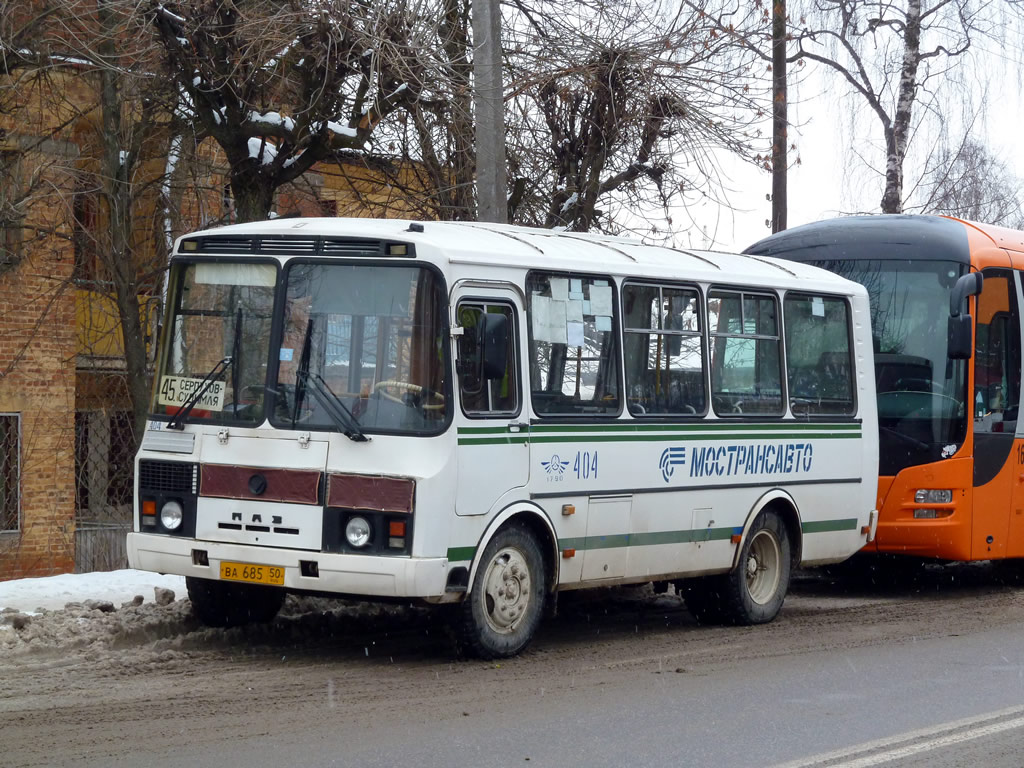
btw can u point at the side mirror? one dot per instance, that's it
(493, 340)
(960, 343)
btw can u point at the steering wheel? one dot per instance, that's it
(418, 393)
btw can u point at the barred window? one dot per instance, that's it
(10, 471)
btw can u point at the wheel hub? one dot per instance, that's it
(506, 590)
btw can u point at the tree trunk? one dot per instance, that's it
(253, 192)
(780, 122)
(117, 191)
(896, 138)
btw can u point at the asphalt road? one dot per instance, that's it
(928, 672)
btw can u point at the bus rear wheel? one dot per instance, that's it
(225, 604)
(504, 606)
(754, 591)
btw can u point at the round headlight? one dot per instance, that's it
(357, 531)
(171, 514)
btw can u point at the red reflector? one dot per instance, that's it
(149, 507)
(736, 538)
(567, 553)
(396, 528)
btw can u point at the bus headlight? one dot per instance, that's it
(171, 515)
(357, 531)
(931, 496)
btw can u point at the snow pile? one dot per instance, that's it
(96, 613)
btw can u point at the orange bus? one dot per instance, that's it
(946, 298)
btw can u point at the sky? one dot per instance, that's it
(52, 592)
(829, 181)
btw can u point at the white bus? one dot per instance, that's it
(486, 415)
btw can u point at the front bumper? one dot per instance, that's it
(372, 576)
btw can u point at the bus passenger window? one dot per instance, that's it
(574, 363)
(481, 396)
(663, 353)
(818, 362)
(746, 370)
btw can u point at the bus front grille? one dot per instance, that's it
(168, 476)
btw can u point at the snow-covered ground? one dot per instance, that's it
(104, 615)
(52, 593)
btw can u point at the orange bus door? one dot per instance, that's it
(996, 399)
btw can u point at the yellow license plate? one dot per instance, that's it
(255, 574)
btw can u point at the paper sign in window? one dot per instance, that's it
(574, 332)
(558, 313)
(601, 299)
(541, 319)
(603, 322)
(560, 288)
(574, 312)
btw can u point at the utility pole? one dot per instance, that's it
(489, 104)
(780, 119)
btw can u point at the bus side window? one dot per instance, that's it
(480, 395)
(663, 352)
(574, 359)
(746, 364)
(818, 360)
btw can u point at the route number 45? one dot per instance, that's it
(585, 465)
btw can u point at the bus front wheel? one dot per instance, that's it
(225, 604)
(754, 591)
(504, 606)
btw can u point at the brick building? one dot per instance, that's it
(66, 425)
(37, 371)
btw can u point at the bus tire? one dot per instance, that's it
(225, 604)
(753, 591)
(505, 605)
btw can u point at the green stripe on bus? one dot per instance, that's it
(703, 426)
(458, 554)
(596, 438)
(828, 526)
(656, 538)
(787, 426)
(493, 440)
(647, 539)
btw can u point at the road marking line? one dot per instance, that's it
(928, 746)
(902, 745)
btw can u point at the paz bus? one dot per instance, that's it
(484, 416)
(946, 332)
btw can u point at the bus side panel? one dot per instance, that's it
(945, 537)
(1015, 534)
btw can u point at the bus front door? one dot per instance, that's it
(491, 419)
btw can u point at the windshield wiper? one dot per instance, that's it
(340, 414)
(178, 420)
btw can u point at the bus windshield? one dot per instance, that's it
(220, 321)
(921, 392)
(362, 350)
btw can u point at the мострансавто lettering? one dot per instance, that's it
(766, 459)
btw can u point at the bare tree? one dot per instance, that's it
(969, 182)
(891, 54)
(624, 103)
(283, 85)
